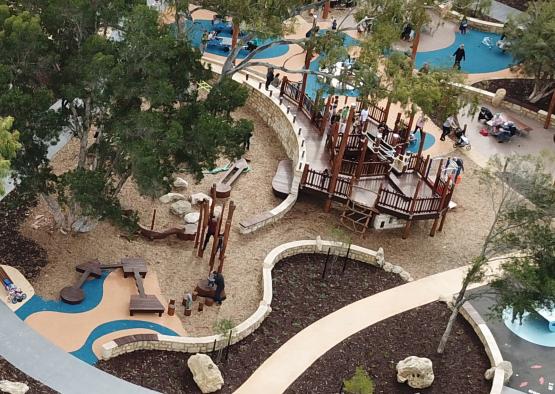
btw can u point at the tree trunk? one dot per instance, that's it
(55, 210)
(541, 90)
(449, 327)
(177, 24)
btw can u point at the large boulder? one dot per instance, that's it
(192, 217)
(171, 197)
(7, 386)
(181, 208)
(180, 183)
(197, 198)
(416, 371)
(206, 374)
(507, 368)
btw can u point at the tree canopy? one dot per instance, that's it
(532, 38)
(9, 146)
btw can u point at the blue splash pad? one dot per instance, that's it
(199, 26)
(534, 329)
(429, 141)
(312, 83)
(85, 352)
(93, 289)
(479, 58)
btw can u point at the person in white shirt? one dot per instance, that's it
(449, 123)
(363, 115)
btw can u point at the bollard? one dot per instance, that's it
(171, 308)
(259, 85)
(280, 100)
(288, 109)
(302, 143)
(294, 118)
(246, 77)
(271, 93)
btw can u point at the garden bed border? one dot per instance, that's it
(445, 12)
(490, 345)
(275, 112)
(206, 344)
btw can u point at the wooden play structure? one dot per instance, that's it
(134, 266)
(223, 187)
(371, 174)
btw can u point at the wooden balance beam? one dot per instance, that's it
(223, 187)
(74, 294)
(184, 233)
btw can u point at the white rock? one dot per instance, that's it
(396, 269)
(180, 183)
(387, 267)
(416, 371)
(171, 197)
(319, 243)
(84, 224)
(13, 387)
(507, 368)
(192, 217)
(405, 276)
(206, 374)
(197, 198)
(380, 259)
(180, 208)
(217, 211)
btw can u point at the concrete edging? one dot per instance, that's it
(131, 343)
(486, 337)
(491, 27)
(540, 115)
(275, 112)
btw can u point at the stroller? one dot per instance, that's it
(462, 140)
(485, 114)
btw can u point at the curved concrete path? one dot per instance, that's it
(50, 365)
(283, 367)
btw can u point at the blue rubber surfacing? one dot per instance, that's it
(479, 58)
(94, 289)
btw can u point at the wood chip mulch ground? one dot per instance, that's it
(11, 373)
(460, 370)
(300, 298)
(518, 91)
(16, 250)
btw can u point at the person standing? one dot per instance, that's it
(460, 55)
(247, 140)
(420, 124)
(212, 228)
(363, 116)
(334, 24)
(449, 123)
(269, 77)
(276, 81)
(463, 25)
(220, 286)
(203, 42)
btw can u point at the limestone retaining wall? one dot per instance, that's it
(205, 344)
(274, 111)
(540, 116)
(490, 346)
(446, 13)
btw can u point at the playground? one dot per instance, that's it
(358, 182)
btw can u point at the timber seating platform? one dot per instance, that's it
(223, 187)
(281, 183)
(146, 303)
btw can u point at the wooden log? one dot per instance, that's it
(226, 234)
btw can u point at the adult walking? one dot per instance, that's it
(460, 55)
(269, 77)
(449, 124)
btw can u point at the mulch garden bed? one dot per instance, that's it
(301, 297)
(521, 5)
(460, 370)
(9, 372)
(15, 249)
(517, 92)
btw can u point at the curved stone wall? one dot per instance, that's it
(208, 343)
(274, 111)
(479, 24)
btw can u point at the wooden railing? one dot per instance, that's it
(374, 168)
(292, 90)
(376, 113)
(321, 181)
(343, 187)
(408, 206)
(353, 141)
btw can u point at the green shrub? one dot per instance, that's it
(359, 383)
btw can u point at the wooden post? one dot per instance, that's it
(206, 216)
(550, 111)
(326, 116)
(153, 219)
(361, 158)
(226, 234)
(445, 212)
(421, 145)
(411, 209)
(284, 82)
(334, 138)
(199, 223)
(307, 59)
(438, 175)
(411, 120)
(397, 122)
(216, 239)
(415, 43)
(442, 213)
(338, 160)
(305, 174)
(326, 11)
(386, 110)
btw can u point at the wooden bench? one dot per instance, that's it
(147, 303)
(281, 183)
(132, 264)
(223, 187)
